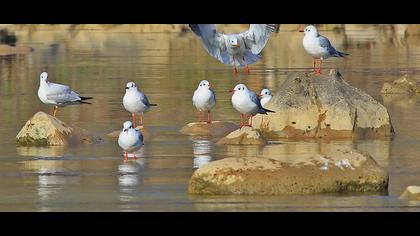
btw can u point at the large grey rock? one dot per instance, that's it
(243, 136)
(339, 171)
(46, 130)
(319, 106)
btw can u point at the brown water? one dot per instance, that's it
(168, 67)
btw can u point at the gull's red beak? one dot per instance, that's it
(125, 130)
(301, 31)
(209, 85)
(259, 95)
(231, 91)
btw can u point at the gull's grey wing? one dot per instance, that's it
(61, 94)
(212, 40)
(325, 43)
(254, 98)
(213, 94)
(144, 100)
(257, 36)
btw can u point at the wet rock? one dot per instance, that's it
(411, 193)
(18, 49)
(403, 85)
(308, 105)
(339, 171)
(215, 128)
(45, 130)
(243, 136)
(146, 133)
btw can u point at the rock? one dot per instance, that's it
(339, 171)
(243, 136)
(402, 85)
(18, 49)
(146, 133)
(215, 128)
(45, 130)
(320, 106)
(412, 193)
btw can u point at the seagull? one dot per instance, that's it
(238, 50)
(318, 46)
(130, 140)
(204, 99)
(265, 96)
(136, 102)
(58, 95)
(247, 103)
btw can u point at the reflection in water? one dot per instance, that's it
(129, 179)
(50, 151)
(201, 151)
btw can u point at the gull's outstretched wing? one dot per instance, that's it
(257, 36)
(212, 40)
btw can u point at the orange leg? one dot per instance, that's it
(134, 119)
(320, 65)
(235, 71)
(125, 156)
(208, 117)
(55, 110)
(134, 156)
(242, 120)
(247, 69)
(141, 120)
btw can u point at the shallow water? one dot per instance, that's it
(168, 67)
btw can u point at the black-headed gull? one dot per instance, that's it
(265, 96)
(204, 99)
(238, 50)
(136, 102)
(58, 95)
(247, 103)
(318, 46)
(130, 140)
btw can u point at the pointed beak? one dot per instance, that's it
(209, 85)
(301, 31)
(126, 87)
(125, 130)
(231, 91)
(236, 45)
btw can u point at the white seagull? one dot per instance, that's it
(136, 102)
(247, 103)
(204, 99)
(130, 140)
(318, 46)
(265, 96)
(238, 50)
(58, 95)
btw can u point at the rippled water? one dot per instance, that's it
(168, 67)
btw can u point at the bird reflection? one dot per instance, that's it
(201, 150)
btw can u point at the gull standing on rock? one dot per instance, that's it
(265, 96)
(204, 99)
(130, 140)
(57, 94)
(136, 102)
(247, 103)
(318, 46)
(238, 50)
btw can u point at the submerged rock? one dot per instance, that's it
(214, 128)
(339, 171)
(403, 85)
(245, 135)
(44, 130)
(412, 193)
(320, 106)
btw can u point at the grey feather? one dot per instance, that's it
(257, 36)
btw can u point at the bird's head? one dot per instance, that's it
(233, 42)
(265, 93)
(310, 30)
(44, 77)
(130, 85)
(204, 84)
(127, 125)
(239, 88)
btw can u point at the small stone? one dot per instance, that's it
(217, 128)
(243, 136)
(411, 193)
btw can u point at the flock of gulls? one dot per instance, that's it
(238, 50)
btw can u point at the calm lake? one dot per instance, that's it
(167, 67)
